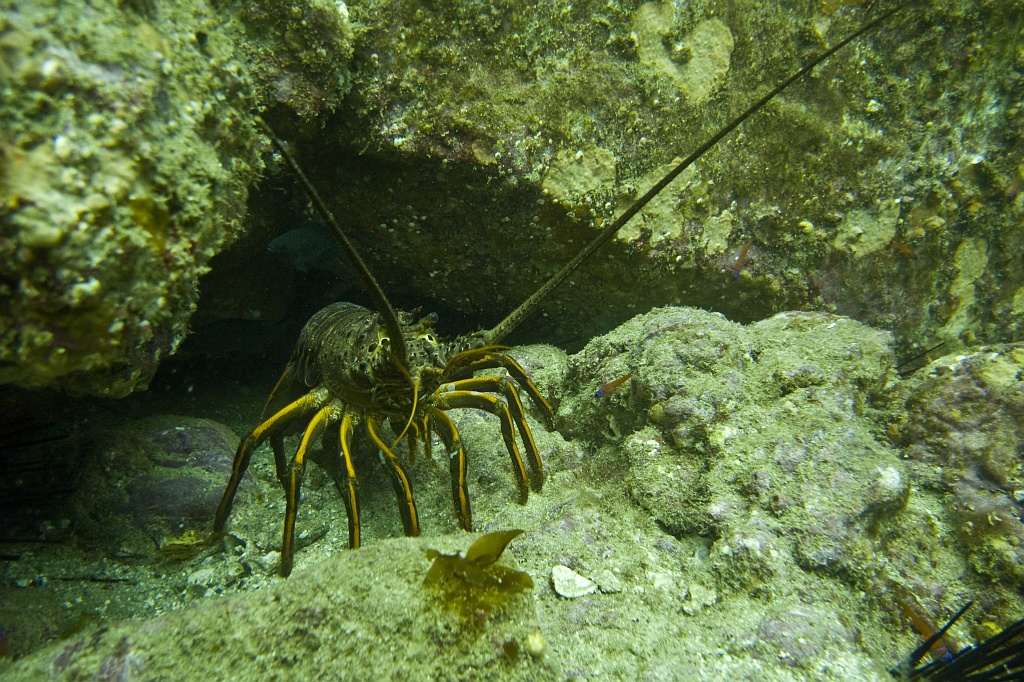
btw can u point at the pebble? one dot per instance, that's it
(607, 581)
(536, 644)
(269, 561)
(699, 598)
(201, 578)
(570, 584)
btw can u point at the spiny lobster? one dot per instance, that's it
(355, 366)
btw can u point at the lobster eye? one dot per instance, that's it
(429, 338)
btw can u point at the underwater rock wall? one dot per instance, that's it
(125, 162)
(298, 53)
(473, 147)
(484, 142)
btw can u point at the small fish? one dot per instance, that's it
(741, 259)
(904, 249)
(310, 249)
(610, 387)
(943, 649)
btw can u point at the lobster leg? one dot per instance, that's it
(501, 385)
(280, 458)
(419, 431)
(349, 488)
(281, 382)
(271, 428)
(424, 429)
(406, 503)
(293, 491)
(491, 357)
(450, 397)
(445, 428)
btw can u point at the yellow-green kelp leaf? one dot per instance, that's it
(474, 583)
(488, 548)
(185, 546)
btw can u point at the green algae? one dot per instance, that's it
(473, 583)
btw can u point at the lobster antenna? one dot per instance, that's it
(530, 305)
(380, 300)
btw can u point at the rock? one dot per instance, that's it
(447, 103)
(151, 480)
(797, 633)
(299, 53)
(570, 584)
(203, 578)
(269, 561)
(963, 422)
(128, 171)
(536, 645)
(129, 167)
(607, 581)
(715, 439)
(698, 598)
(889, 490)
(326, 622)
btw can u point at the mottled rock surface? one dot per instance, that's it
(150, 481)
(126, 160)
(757, 437)
(125, 163)
(964, 430)
(337, 620)
(298, 53)
(483, 143)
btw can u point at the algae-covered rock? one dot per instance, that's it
(125, 162)
(963, 425)
(298, 53)
(344, 619)
(885, 186)
(791, 448)
(148, 482)
(126, 153)
(759, 437)
(797, 633)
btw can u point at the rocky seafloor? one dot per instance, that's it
(743, 507)
(786, 498)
